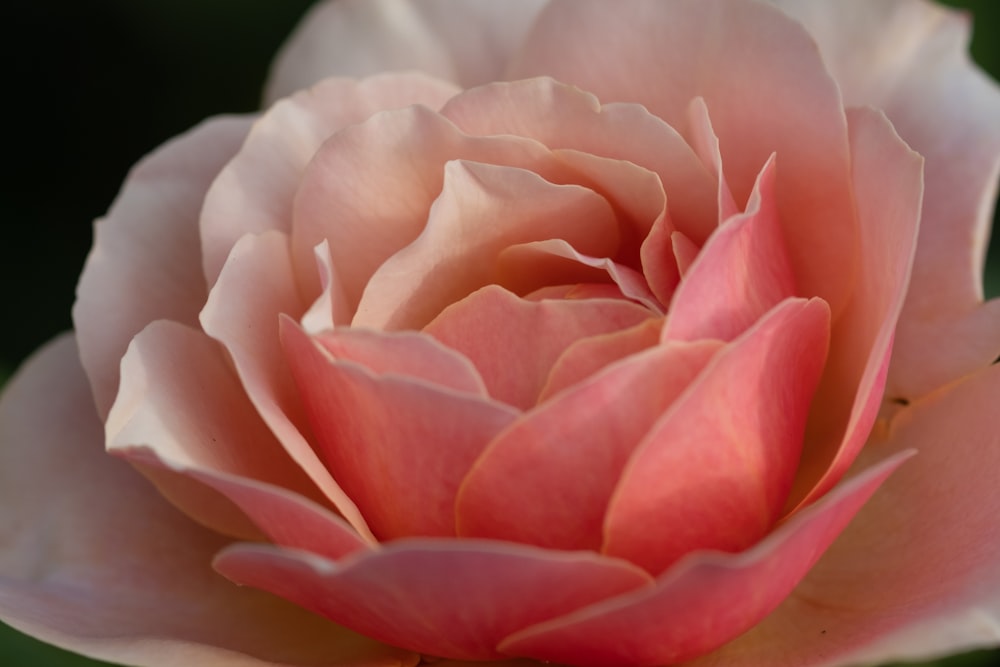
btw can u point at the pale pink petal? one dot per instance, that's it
(706, 600)
(467, 42)
(254, 193)
(330, 307)
(95, 561)
(915, 575)
(739, 275)
(565, 117)
(399, 447)
(910, 60)
(547, 479)
(255, 288)
(447, 598)
(482, 210)
(715, 471)
(764, 85)
(587, 356)
(706, 144)
(145, 261)
(182, 415)
(514, 342)
(888, 186)
(342, 196)
(406, 353)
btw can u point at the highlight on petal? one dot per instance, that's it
(398, 446)
(469, 42)
(716, 469)
(144, 262)
(253, 194)
(547, 478)
(915, 573)
(455, 599)
(764, 85)
(95, 561)
(514, 342)
(706, 600)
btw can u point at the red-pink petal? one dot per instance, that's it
(740, 274)
(255, 288)
(399, 447)
(144, 264)
(95, 561)
(887, 181)
(447, 598)
(468, 42)
(482, 209)
(514, 342)
(764, 84)
(253, 194)
(715, 471)
(546, 480)
(707, 600)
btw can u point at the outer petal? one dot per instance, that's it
(764, 85)
(916, 573)
(95, 561)
(447, 598)
(144, 263)
(706, 600)
(467, 42)
(910, 60)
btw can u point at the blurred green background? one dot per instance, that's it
(91, 86)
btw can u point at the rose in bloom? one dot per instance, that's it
(581, 341)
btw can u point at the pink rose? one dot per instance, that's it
(590, 366)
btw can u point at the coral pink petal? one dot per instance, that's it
(764, 84)
(406, 353)
(546, 480)
(399, 447)
(527, 267)
(447, 598)
(514, 342)
(685, 252)
(707, 600)
(915, 574)
(565, 117)
(910, 59)
(887, 180)
(716, 469)
(589, 355)
(254, 193)
(220, 443)
(144, 263)
(95, 561)
(740, 274)
(469, 42)
(408, 148)
(254, 289)
(482, 210)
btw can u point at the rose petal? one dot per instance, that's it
(716, 469)
(514, 342)
(468, 42)
(547, 479)
(96, 562)
(330, 308)
(911, 60)
(254, 192)
(255, 288)
(707, 600)
(915, 574)
(399, 447)
(144, 263)
(764, 84)
(739, 275)
(887, 177)
(706, 144)
(447, 598)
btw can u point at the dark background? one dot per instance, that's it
(90, 86)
